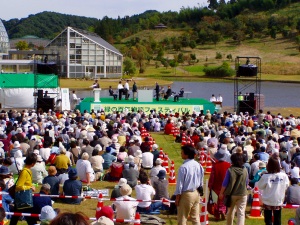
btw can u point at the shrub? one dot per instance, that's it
(221, 71)
(218, 55)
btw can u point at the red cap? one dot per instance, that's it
(106, 211)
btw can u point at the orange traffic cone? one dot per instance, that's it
(202, 158)
(172, 177)
(165, 163)
(208, 165)
(255, 212)
(161, 154)
(203, 215)
(137, 219)
(99, 204)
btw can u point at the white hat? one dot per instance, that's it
(17, 144)
(138, 153)
(223, 149)
(91, 129)
(98, 147)
(155, 146)
(130, 158)
(125, 190)
(19, 130)
(122, 182)
(36, 151)
(131, 141)
(103, 220)
(47, 213)
(1, 144)
(39, 158)
(228, 134)
(158, 161)
(114, 139)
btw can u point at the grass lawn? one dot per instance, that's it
(173, 149)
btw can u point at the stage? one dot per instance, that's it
(165, 106)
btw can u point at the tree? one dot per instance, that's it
(193, 44)
(238, 36)
(129, 66)
(273, 32)
(22, 45)
(215, 37)
(298, 42)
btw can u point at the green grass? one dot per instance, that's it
(173, 149)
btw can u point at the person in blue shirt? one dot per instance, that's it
(6, 199)
(72, 187)
(190, 178)
(263, 156)
(108, 158)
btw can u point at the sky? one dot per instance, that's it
(92, 8)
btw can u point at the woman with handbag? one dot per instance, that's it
(216, 178)
(24, 188)
(234, 188)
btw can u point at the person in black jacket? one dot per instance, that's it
(134, 91)
(180, 94)
(157, 91)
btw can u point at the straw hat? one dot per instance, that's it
(125, 190)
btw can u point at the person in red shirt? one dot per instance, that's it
(168, 127)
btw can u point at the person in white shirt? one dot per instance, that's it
(147, 159)
(84, 169)
(125, 209)
(212, 98)
(145, 191)
(74, 100)
(39, 171)
(126, 90)
(120, 89)
(220, 99)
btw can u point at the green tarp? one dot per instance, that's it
(11, 80)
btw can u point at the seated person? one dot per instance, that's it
(116, 192)
(146, 192)
(125, 209)
(131, 175)
(292, 195)
(115, 172)
(72, 187)
(108, 158)
(180, 94)
(111, 93)
(52, 180)
(85, 170)
(168, 93)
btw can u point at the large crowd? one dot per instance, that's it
(65, 151)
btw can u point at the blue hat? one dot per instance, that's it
(72, 173)
(108, 149)
(4, 170)
(161, 174)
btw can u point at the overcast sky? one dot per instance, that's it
(91, 8)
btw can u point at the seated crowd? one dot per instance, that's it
(81, 148)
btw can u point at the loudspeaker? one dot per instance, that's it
(47, 68)
(45, 104)
(247, 106)
(40, 94)
(247, 71)
(251, 97)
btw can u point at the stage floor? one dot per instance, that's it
(182, 106)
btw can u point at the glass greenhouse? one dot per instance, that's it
(85, 54)
(4, 41)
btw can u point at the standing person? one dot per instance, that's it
(220, 99)
(273, 184)
(120, 89)
(235, 187)
(216, 178)
(134, 91)
(74, 100)
(126, 90)
(190, 178)
(156, 91)
(24, 183)
(95, 84)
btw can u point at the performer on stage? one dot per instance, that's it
(212, 98)
(126, 90)
(220, 99)
(121, 89)
(157, 91)
(134, 91)
(95, 84)
(180, 94)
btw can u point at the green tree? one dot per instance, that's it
(22, 45)
(193, 44)
(129, 66)
(238, 36)
(273, 32)
(298, 42)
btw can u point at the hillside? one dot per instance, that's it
(46, 24)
